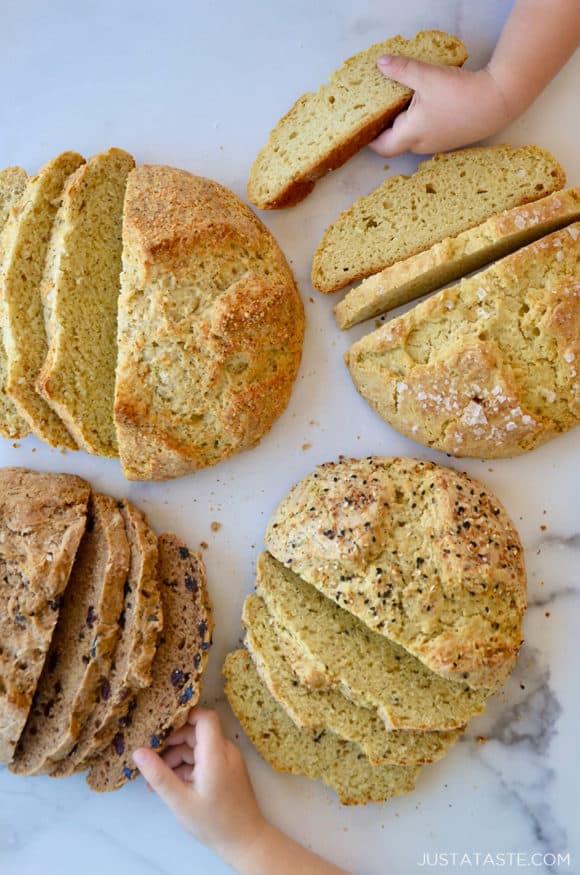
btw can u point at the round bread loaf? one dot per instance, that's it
(420, 553)
(210, 326)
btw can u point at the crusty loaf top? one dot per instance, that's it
(421, 553)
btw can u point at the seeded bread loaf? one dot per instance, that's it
(339, 764)
(447, 194)
(177, 669)
(329, 648)
(210, 326)
(454, 257)
(323, 130)
(25, 243)
(420, 553)
(141, 622)
(80, 292)
(318, 710)
(82, 644)
(12, 184)
(42, 519)
(489, 367)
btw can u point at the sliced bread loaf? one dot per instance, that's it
(80, 292)
(317, 710)
(339, 764)
(141, 622)
(454, 257)
(447, 194)
(83, 642)
(323, 130)
(12, 184)
(176, 671)
(25, 243)
(42, 519)
(421, 553)
(337, 650)
(210, 326)
(489, 367)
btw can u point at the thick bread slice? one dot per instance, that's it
(325, 129)
(447, 194)
(42, 519)
(420, 553)
(80, 292)
(177, 668)
(339, 764)
(454, 257)
(210, 326)
(25, 244)
(489, 367)
(83, 642)
(329, 648)
(317, 710)
(141, 622)
(12, 184)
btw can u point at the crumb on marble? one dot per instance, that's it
(306, 446)
(481, 739)
(215, 526)
(548, 614)
(203, 545)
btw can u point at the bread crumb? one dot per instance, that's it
(547, 614)
(306, 446)
(481, 739)
(15, 445)
(311, 299)
(215, 526)
(543, 528)
(203, 545)
(386, 166)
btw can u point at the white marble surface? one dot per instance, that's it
(199, 85)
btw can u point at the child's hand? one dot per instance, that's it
(203, 779)
(450, 108)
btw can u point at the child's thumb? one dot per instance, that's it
(405, 70)
(161, 778)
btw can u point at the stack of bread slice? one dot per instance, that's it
(105, 630)
(387, 611)
(146, 313)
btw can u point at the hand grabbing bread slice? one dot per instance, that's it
(325, 129)
(177, 668)
(339, 764)
(83, 642)
(454, 257)
(42, 520)
(447, 194)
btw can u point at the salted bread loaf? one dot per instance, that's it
(454, 257)
(421, 553)
(489, 367)
(318, 710)
(82, 644)
(329, 648)
(339, 764)
(80, 292)
(325, 129)
(210, 326)
(447, 194)
(24, 245)
(177, 668)
(12, 184)
(42, 520)
(141, 622)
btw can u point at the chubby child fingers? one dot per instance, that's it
(406, 71)
(396, 140)
(185, 735)
(161, 778)
(175, 756)
(184, 773)
(208, 729)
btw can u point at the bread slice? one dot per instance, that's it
(325, 129)
(454, 257)
(83, 642)
(210, 326)
(447, 194)
(141, 622)
(177, 668)
(420, 553)
(339, 764)
(12, 184)
(25, 244)
(338, 651)
(80, 293)
(42, 519)
(318, 710)
(489, 367)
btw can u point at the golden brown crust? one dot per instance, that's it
(208, 307)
